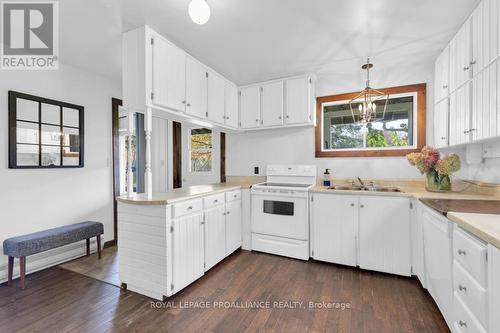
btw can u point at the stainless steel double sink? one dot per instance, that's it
(370, 188)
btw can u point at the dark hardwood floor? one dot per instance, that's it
(57, 300)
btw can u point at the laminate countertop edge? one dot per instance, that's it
(483, 226)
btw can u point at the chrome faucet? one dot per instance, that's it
(361, 182)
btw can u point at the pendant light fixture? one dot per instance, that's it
(364, 105)
(199, 11)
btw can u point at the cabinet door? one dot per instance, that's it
(216, 97)
(196, 88)
(334, 220)
(250, 107)
(233, 226)
(187, 250)
(272, 104)
(441, 115)
(298, 101)
(169, 75)
(215, 236)
(231, 104)
(484, 104)
(441, 75)
(438, 260)
(384, 234)
(460, 113)
(479, 58)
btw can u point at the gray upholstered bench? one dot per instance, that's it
(23, 246)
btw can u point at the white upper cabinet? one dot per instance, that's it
(441, 119)
(460, 115)
(159, 75)
(216, 97)
(231, 104)
(250, 107)
(196, 88)
(441, 78)
(298, 100)
(272, 104)
(169, 75)
(461, 56)
(484, 104)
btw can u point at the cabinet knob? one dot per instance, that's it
(472, 130)
(443, 138)
(188, 104)
(280, 117)
(466, 68)
(287, 116)
(445, 86)
(257, 120)
(466, 131)
(462, 288)
(461, 252)
(362, 206)
(190, 208)
(227, 212)
(473, 62)
(462, 323)
(215, 201)
(352, 205)
(183, 102)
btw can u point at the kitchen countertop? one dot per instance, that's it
(444, 206)
(413, 189)
(179, 194)
(484, 226)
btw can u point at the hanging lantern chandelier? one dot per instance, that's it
(364, 106)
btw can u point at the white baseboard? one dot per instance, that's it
(43, 260)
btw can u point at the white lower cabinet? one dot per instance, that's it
(187, 250)
(372, 232)
(215, 235)
(334, 229)
(233, 226)
(438, 260)
(384, 234)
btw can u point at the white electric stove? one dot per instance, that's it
(280, 211)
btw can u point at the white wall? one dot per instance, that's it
(296, 145)
(33, 200)
(487, 171)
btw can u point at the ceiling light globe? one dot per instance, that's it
(199, 11)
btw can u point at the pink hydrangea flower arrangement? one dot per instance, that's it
(437, 170)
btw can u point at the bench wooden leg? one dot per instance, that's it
(88, 247)
(99, 246)
(22, 266)
(11, 269)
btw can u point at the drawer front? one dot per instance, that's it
(470, 292)
(471, 253)
(187, 207)
(233, 195)
(464, 321)
(213, 200)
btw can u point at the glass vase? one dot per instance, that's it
(437, 183)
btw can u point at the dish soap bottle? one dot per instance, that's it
(326, 178)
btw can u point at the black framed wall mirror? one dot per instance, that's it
(44, 133)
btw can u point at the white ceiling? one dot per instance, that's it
(256, 40)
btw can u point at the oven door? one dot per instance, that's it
(280, 215)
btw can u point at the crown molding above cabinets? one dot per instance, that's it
(467, 81)
(159, 75)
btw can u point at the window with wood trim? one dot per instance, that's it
(400, 131)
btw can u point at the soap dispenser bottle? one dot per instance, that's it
(326, 178)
